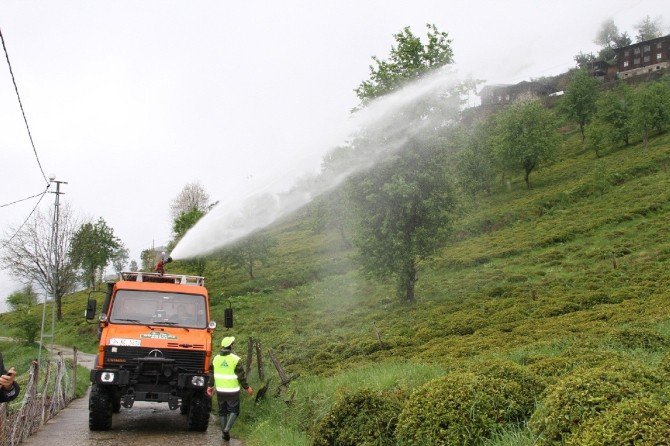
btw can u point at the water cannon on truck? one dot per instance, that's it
(155, 344)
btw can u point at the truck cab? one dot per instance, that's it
(155, 334)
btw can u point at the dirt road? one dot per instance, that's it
(146, 424)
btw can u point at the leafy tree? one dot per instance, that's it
(332, 211)
(598, 136)
(408, 60)
(133, 266)
(651, 109)
(584, 60)
(579, 102)
(251, 251)
(649, 28)
(185, 221)
(24, 303)
(26, 296)
(622, 41)
(614, 109)
(401, 205)
(192, 196)
(93, 247)
(403, 210)
(149, 257)
(32, 257)
(476, 164)
(607, 34)
(120, 258)
(526, 137)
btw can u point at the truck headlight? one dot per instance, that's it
(197, 381)
(107, 377)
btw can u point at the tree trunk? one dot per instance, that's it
(250, 268)
(526, 178)
(581, 130)
(409, 281)
(59, 310)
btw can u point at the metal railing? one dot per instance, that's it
(43, 397)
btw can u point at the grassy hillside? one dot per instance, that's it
(564, 279)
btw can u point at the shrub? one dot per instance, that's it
(364, 418)
(584, 394)
(632, 338)
(460, 408)
(531, 385)
(642, 422)
(665, 364)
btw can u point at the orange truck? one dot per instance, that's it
(155, 334)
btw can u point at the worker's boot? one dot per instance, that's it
(231, 420)
(224, 421)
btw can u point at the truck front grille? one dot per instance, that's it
(185, 360)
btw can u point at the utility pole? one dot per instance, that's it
(54, 269)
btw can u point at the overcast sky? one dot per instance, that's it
(128, 101)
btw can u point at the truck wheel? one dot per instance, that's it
(99, 409)
(198, 413)
(116, 402)
(185, 405)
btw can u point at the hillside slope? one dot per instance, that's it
(570, 273)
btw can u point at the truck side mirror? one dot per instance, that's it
(228, 318)
(90, 309)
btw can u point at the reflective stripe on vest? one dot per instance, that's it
(225, 379)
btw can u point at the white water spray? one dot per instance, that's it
(237, 217)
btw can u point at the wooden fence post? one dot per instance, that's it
(74, 372)
(259, 359)
(283, 376)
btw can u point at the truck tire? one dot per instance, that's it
(185, 406)
(116, 402)
(99, 408)
(198, 412)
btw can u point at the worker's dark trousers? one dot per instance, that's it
(228, 403)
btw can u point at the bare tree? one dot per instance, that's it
(31, 254)
(192, 196)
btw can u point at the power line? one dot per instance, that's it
(32, 143)
(25, 221)
(22, 199)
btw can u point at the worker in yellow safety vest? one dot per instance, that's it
(229, 377)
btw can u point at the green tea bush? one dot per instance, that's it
(665, 364)
(640, 422)
(557, 366)
(643, 338)
(585, 393)
(363, 418)
(458, 409)
(531, 385)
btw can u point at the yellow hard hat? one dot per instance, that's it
(227, 341)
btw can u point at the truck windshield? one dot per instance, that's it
(159, 308)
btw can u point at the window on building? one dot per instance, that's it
(647, 48)
(636, 61)
(659, 56)
(636, 51)
(646, 58)
(625, 63)
(626, 53)
(659, 45)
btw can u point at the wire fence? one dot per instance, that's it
(47, 391)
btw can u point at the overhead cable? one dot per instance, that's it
(32, 143)
(4, 245)
(22, 199)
